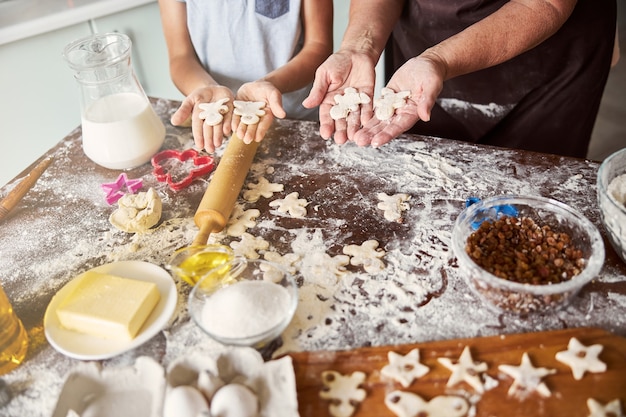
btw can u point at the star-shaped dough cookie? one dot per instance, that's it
(581, 358)
(612, 409)
(527, 378)
(404, 368)
(465, 370)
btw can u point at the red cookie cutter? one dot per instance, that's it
(162, 169)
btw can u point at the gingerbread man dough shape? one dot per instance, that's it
(241, 220)
(408, 404)
(296, 207)
(263, 188)
(367, 255)
(393, 205)
(389, 101)
(404, 368)
(611, 409)
(347, 102)
(250, 111)
(343, 391)
(249, 246)
(581, 358)
(213, 113)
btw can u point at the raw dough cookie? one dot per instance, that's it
(343, 391)
(348, 102)
(611, 409)
(393, 205)
(249, 111)
(287, 261)
(527, 378)
(465, 370)
(263, 188)
(296, 207)
(213, 113)
(407, 404)
(137, 212)
(241, 220)
(367, 255)
(404, 368)
(249, 245)
(581, 358)
(389, 101)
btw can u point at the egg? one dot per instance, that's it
(184, 401)
(234, 400)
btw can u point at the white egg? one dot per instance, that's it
(234, 400)
(184, 401)
(208, 384)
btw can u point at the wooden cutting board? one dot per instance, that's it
(568, 396)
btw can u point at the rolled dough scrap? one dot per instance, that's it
(263, 188)
(296, 207)
(343, 391)
(465, 370)
(408, 404)
(367, 255)
(250, 111)
(240, 220)
(137, 213)
(389, 101)
(611, 409)
(527, 378)
(287, 261)
(581, 358)
(348, 102)
(249, 246)
(404, 368)
(617, 189)
(393, 205)
(213, 113)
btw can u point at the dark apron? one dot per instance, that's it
(544, 100)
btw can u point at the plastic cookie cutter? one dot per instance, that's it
(116, 190)
(490, 213)
(179, 168)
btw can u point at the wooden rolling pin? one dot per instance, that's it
(222, 192)
(15, 195)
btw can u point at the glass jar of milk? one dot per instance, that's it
(120, 128)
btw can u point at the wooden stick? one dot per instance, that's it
(15, 195)
(222, 192)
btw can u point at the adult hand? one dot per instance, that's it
(205, 136)
(341, 70)
(262, 91)
(423, 76)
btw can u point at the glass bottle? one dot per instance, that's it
(13, 337)
(120, 128)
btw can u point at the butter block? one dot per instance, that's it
(108, 306)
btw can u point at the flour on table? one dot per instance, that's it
(348, 102)
(385, 106)
(610, 409)
(287, 261)
(249, 246)
(250, 111)
(137, 213)
(465, 370)
(527, 378)
(408, 404)
(213, 113)
(343, 391)
(404, 368)
(393, 205)
(296, 207)
(263, 188)
(581, 358)
(240, 220)
(367, 255)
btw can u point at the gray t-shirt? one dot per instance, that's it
(239, 41)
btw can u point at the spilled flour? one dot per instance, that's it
(61, 229)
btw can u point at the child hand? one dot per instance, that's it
(259, 91)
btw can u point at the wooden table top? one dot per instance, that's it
(61, 228)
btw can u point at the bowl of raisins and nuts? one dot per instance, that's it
(526, 254)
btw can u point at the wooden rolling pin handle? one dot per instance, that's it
(22, 188)
(210, 221)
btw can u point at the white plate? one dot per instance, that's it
(82, 346)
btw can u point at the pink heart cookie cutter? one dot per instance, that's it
(203, 164)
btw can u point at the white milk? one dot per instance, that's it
(121, 131)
